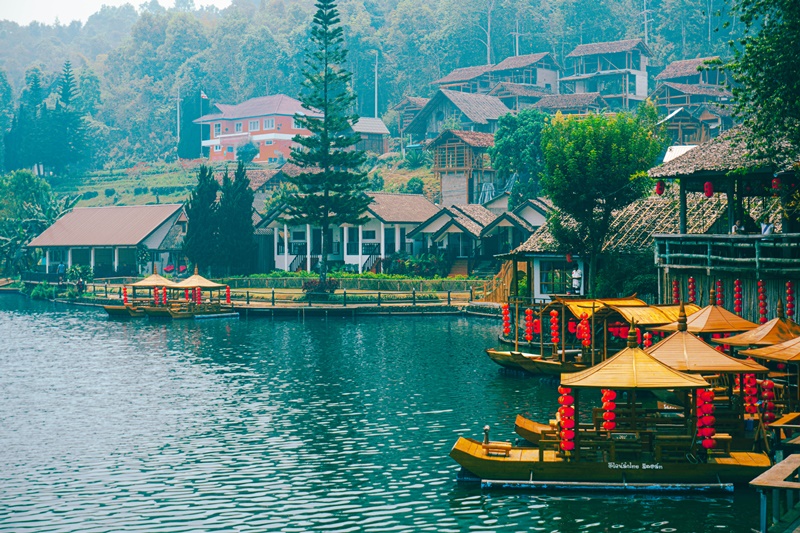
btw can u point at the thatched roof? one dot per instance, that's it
(788, 351)
(722, 154)
(633, 227)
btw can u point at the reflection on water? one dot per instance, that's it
(284, 425)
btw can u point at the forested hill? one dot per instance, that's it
(133, 64)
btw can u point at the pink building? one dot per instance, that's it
(266, 121)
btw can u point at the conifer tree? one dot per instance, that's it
(203, 228)
(236, 222)
(331, 186)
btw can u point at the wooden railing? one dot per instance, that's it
(497, 289)
(374, 257)
(779, 488)
(778, 253)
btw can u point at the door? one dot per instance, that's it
(389, 241)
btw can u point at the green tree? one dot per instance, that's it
(235, 244)
(203, 228)
(246, 152)
(414, 185)
(331, 185)
(765, 67)
(517, 152)
(27, 207)
(6, 113)
(595, 166)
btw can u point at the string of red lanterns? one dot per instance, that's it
(609, 416)
(164, 296)
(750, 394)
(124, 295)
(506, 320)
(737, 297)
(676, 293)
(762, 303)
(768, 405)
(720, 295)
(529, 324)
(790, 300)
(584, 331)
(155, 296)
(228, 294)
(186, 294)
(648, 339)
(554, 336)
(692, 290)
(567, 419)
(705, 418)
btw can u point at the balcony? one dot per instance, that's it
(763, 254)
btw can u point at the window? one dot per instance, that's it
(267, 142)
(296, 125)
(252, 126)
(217, 148)
(298, 235)
(238, 127)
(229, 149)
(269, 123)
(555, 277)
(368, 235)
(217, 129)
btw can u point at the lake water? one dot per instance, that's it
(286, 425)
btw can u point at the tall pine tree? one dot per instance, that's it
(203, 228)
(236, 222)
(331, 186)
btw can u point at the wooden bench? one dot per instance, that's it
(672, 447)
(497, 448)
(723, 441)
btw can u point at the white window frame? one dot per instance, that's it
(269, 123)
(217, 129)
(238, 127)
(253, 125)
(217, 148)
(268, 142)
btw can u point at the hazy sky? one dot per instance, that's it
(25, 11)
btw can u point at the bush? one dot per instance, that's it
(426, 265)
(316, 286)
(88, 195)
(110, 192)
(76, 272)
(417, 158)
(140, 190)
(43, 291)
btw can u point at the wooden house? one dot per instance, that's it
(475, 112)
(408, 108)
(466, 80)
(617, 70)
(517, 96)
(111, 239)
(534, 70)
(755, 191)
(694, 113)
(374, 135)
(571, 104)
(390, 221)
(694, 72)
(266, 121)
(461, 163)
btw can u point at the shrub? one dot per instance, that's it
(76, 272)
(140, 190)
(110, 192)
(43, 291)
(316, 286)
(88, 195)
(426, 265)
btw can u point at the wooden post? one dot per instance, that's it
(563, 331)
(731, 196)
(514, 277)
(682, 189)
(529, 262)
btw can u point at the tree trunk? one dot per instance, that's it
(592, 271)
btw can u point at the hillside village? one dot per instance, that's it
(467, 220)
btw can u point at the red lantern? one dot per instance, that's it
(227, 294)
(164, 296)
(186, 294)
(568, 434)
(537, 326)
(776, 184)
(608, 416)
(569, 258)
(660, 187)
(572, 326)
(124, 295)
(708, 189)
(608, 426)
(155, 296)
(567, 445)
(676, 295)
(709, 443)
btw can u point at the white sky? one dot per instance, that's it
(25, 11)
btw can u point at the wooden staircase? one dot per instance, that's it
(460, 267)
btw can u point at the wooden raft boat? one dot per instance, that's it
(510, 359)
(529, 430)
(208, 310)
(126, 310)
(501, 461)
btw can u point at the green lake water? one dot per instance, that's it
(278, 425)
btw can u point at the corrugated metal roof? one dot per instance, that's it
(105, 226)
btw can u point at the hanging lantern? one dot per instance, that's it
(227, 294)
(155, 296)
(776, 185)
(790, 300)
(648, 339)
(638, 336)
(750, 391)
(676, 293)
(186, 294)
(506, 320)
(567, 420)
(609, 416)
(554, 334)
(199, 295)
(660, 187)
(692, 290)
(569, 258)
(762, 303)
(572, 326)
(164, 296)
(124, 295)
(720, 297)
(529, 324)
(768, 405)
(737, 297)
(586, 331)
(705, 420)
(708, 189)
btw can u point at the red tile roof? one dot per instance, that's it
(106, 226)
(396, 208)
(463, 74)
(258, 176)
(609, 48)
(278, 104)
(519, 61)
(683, 68)
(475, 138)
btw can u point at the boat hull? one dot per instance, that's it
(529, 430)
(524, 464)
(117, 310)
(510, 359)
(157, 312)
(551, 367)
